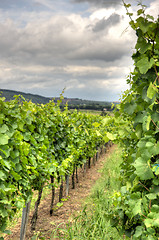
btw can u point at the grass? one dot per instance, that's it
(92, 222)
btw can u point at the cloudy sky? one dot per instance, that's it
(84, 46)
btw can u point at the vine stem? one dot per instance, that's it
(35, 214)
(154, 123)
(156, 73)
(150, 205)
(155, 79)
(144, 186)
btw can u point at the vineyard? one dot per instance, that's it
(41, 146)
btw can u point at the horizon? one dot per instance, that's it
(65, 97)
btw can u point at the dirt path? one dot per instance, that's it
(45, 223)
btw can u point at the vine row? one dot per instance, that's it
(136, 126)
(39, 143)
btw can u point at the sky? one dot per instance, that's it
(82, 46)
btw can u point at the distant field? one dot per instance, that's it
(94, 112)
(90, 111)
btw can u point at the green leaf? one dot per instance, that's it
(156, 181)
(127, 5)
(143, 170)
(129, 14)
(4, 139)
(139, 231)
(2, 175)
(20, 125)
(111, 136)
(151, 91)
(148, 222)
(151, 231)
(122, 132)
(106, 139)
(18, 167)
(96, 124)
(3, 213)
(156, 149)
(133, 24)
(14, 154)
(149, 144)
(139, 117)
(151, 196)
(140, 11)
(107, 120)
(142, 45)
(145, 25)
(15, 175)
(7, 164)
(150, 17)
(2, 117)
(26, 136)
(138, 131)
(135, 203)
(98, 133)
(6, 150)
(153, 219)
(144, 64)
(4, 128)
(59, 204)
(146, 123)
(130, 107)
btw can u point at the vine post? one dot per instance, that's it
(25, 216)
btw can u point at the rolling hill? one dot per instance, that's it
(72, 102)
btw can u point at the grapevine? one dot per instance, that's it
(136, 127)
(39, 143)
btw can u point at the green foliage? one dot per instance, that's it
(37, 141)
(136, 126)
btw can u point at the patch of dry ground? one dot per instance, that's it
(46, 223)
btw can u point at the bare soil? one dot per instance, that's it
(71, 207)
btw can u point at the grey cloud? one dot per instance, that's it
(100, 3)
(57, 42)
(104, 24)
(30, 52)
(102, 51)
(90, 89)
(109, 3)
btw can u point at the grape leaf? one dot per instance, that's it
(142, 169)
(144, 64)
(4, 139)
(151, 91)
